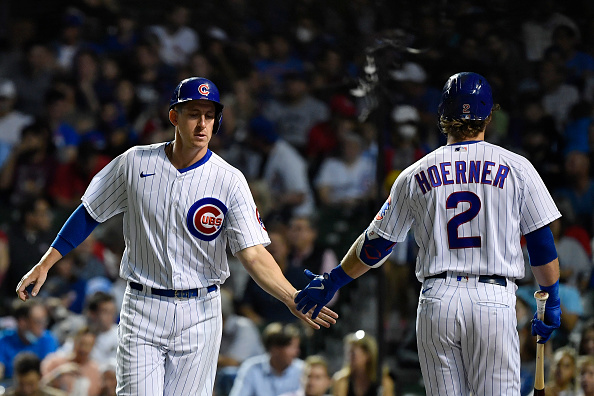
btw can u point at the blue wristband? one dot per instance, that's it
(553, 291)
(339, 277)
(77, 228)
(541, 246)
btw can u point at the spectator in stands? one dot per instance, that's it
(565, 50)
(574, 263)
(558, 97)
(70, 40)
(346, 182)
(284, 169)
(175, 39)
(29, 169)
(359, 374)
(405, 146)
(586, 375)
(240, 341)
(108, 379)
(413, 89)
(65, 284)
(241, 338)
(4, 261)
(65, 137)
(258, 305)
(12, 121)
(28, 238)
(27, 378)
(579, 188)
(305, 252)
(124, 37)
(586, 345)
(538, 26)
(30, 335)
(563, 376)
(52, 366)
(71, 179)
(296, 112)
(275, 60)
(276, 372)
(316, 378)
(33, 78)
(535, 132)
(324, 137)
(100, 317)
(153, 78)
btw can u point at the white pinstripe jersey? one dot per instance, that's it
(468, 205)
(176, 222)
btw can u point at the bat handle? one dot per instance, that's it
(541, 301)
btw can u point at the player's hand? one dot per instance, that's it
(552, 321)
(316, 294)
(37, 277)
(326, 317)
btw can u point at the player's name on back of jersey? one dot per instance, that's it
(462, 172)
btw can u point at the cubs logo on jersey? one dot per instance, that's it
(205, 218)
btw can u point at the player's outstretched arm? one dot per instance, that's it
(38, 274)
(77, 228)
(262, 267)
(322, 288)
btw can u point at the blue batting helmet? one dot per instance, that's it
(198, 88)
(466, 96)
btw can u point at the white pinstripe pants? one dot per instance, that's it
(168, 346)
(467, 338)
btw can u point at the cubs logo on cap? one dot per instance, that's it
(204, 89)
(205, 218)
(384, 209)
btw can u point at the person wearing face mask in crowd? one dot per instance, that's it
(405, 146)
(30, 335)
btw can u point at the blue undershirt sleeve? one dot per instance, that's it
(77, 228)
(541, 246)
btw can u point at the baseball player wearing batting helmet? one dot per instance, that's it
(182, 204)
(468, 203)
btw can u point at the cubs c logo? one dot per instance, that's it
(204, 89)
(384, 209)
(205, 218)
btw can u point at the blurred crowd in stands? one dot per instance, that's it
(82, 81)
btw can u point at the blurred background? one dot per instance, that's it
(325, 103)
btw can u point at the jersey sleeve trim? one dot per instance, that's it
(541, 223)
(386, 235)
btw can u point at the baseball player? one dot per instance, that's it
(468, 204)
(181, 204)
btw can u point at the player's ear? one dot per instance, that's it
(173, 116)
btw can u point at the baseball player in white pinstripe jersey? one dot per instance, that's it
(182, 204)
(468, 204)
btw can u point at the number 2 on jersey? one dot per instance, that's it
(455, 241)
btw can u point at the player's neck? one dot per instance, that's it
(452, 140)
(183, 157)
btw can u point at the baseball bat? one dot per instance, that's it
(539, 385)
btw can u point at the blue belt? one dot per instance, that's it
(492, 279)
(173, 293)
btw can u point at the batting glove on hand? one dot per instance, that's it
(317, 293)
(552, 321)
